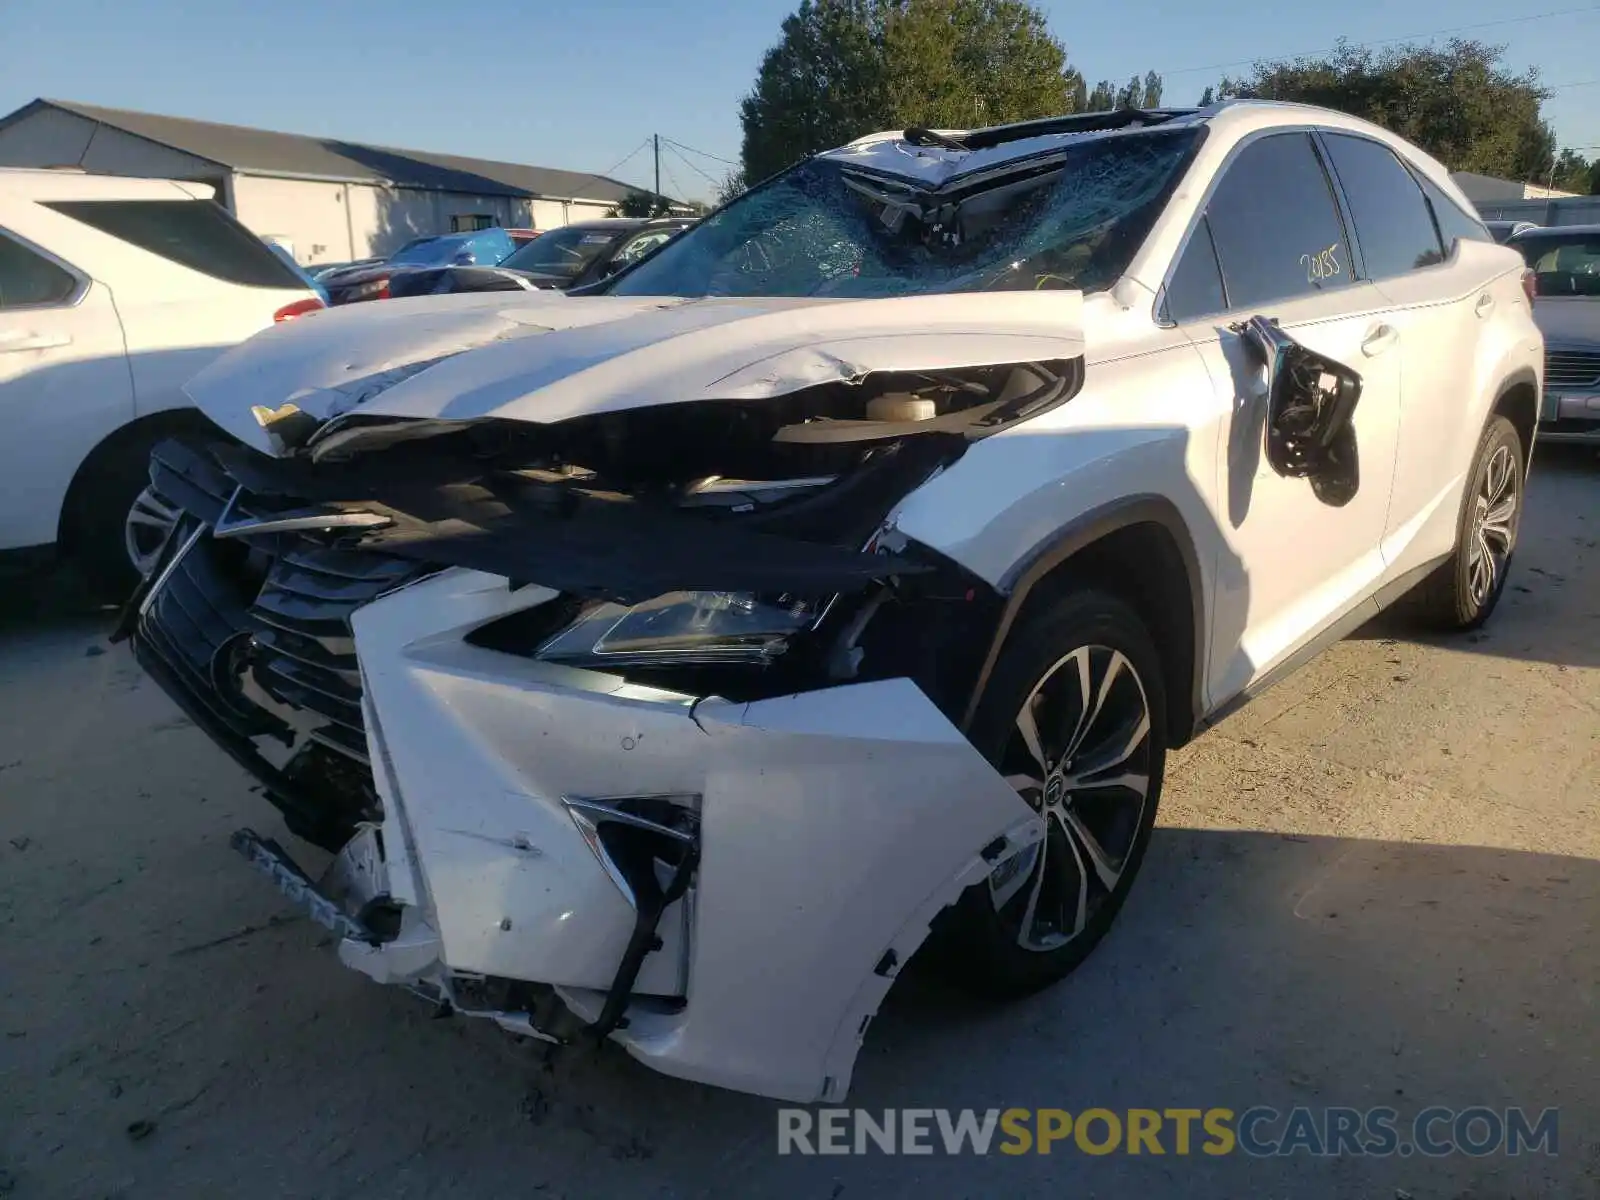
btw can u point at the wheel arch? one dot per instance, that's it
(1140, 548)
(1517, 400)
(125, 439)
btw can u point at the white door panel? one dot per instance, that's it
(1440, 313)
(1291, 564)
(64, 385)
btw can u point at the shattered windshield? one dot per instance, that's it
(1069, 219)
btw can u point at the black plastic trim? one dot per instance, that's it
(1091, 527)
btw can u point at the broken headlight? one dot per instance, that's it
(683, 627)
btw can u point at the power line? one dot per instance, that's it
(678, 189)
(714, 157)
(711, 179)
(604, 176)
(1409, 37)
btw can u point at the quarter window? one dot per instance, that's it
(1195, 289)
(197, 234)
(28, 279)
(1391, 218)
(1452, 222)
(1277, 231)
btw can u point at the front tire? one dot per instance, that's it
(1073, 717)
(1465, 589)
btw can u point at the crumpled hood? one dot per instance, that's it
(546, 357)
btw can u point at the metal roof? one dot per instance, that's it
(298, 156)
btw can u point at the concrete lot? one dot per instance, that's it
(1377, 885)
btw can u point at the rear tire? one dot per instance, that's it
(95, 524)
(1074, 717)
(1465, 589)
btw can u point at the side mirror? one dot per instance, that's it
(1311, 400)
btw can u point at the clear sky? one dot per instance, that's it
(579, 85)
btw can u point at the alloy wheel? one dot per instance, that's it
(145, 531)
(1494, 512)
(1080, 756)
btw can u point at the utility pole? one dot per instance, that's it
(656, 138)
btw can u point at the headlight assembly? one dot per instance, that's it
(683, 627)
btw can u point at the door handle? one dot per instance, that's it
(1485, 305)
(1379, 338)
(23, 340)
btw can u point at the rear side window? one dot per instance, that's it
(1452, 222)
(1391, 218)
(197, 234)
(1195, 289)
(28, 279)
(1277, 231)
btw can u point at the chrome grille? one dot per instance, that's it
(1572, 368)
(304, 652)
(251, 636)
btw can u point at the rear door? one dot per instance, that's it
(1441, 296)
(64, 383)
(1272, 242)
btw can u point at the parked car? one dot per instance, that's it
(321, 271)
(301, 273)
(1565, 261)
(1504, 231)
(89, 384)
(373, 281)
(571, 257)
(665, 663)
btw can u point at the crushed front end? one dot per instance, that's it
(640, 726)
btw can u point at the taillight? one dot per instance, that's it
(1530, 285)
(298, 309)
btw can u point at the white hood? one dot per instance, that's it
(546, 357)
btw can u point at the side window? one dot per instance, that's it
(197, 234)
(1391, 218)
(1277, 230)
(1452, 222)
(28, 279)
(1195, 289)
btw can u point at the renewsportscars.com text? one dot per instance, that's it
(1259, 1131)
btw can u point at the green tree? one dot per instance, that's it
(1208, 97)
(842, 68)
(1571, 172)
(640, 204)
(1080, 93)
(731, 187)
(1131, 95)
(1458, 102)
(1103, 98)
(1153, 88)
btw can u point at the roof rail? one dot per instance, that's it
(1092, 122)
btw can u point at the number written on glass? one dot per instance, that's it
(1322, 265)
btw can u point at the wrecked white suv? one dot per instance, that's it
(664, 663)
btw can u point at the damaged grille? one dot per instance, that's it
(251, 636)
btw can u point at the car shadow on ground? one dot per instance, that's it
(1248, 969)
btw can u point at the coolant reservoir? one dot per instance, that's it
(900, 406)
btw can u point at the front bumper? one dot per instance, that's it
(831, 827)
(1570, 416)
